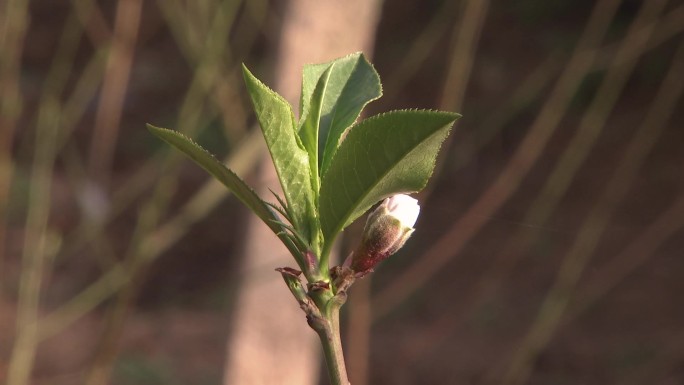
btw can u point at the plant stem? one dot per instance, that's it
(329, 334)
(324, 264)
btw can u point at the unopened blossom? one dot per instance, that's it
(387, 229)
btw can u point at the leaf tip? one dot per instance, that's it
(157, 131)
(246, 73)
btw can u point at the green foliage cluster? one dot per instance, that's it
(331, 168)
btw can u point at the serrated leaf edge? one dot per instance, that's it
(453, 115)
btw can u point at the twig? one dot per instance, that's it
(117, 73)
(13, 24)
(37, 248)
(511, 251)
(138, 258)
(91, 17)
(419, 48)
(465, 38)
(590, 233)
(633, 256)
(510, 178)
(203, 202)
(638, 251)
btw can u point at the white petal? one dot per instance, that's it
(404, 208)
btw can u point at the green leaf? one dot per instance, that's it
(310, 127)
(352, 83)
(381, 156)
(223, 174)
(289, 156)
(229, 179)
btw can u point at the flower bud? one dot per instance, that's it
(387, 229)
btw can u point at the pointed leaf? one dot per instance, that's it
(287, 152)
(352, 83)
(381, 156)
(310, 127)
(229, 179)
(223, 174)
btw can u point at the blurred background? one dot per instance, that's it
(549, 249)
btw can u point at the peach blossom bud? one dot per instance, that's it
(387, 229)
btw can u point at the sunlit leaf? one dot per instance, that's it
(381, 156)
(229, 179)
(289, 156)
(223, 174)
(310, 126)
(352, 82)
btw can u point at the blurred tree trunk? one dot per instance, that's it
(271, 342)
